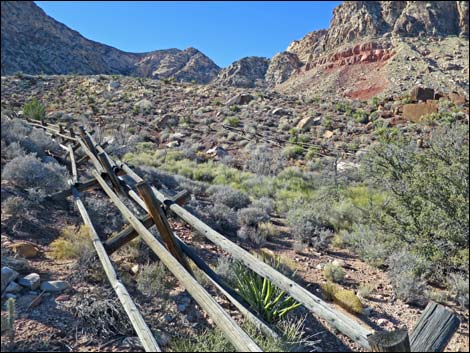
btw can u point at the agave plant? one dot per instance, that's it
(266, 299)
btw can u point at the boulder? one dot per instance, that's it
(308, 122)
(8, 275)
(328, 134)
(240, 99)
(31, 281)
(13, 287)
(54, 286)
(422, 94)
(143, 105)
(217, 151)
(414, 112)
(113, 85)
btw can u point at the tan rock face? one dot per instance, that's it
(414, 112)
(24, 249)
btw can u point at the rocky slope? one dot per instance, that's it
(35, 43)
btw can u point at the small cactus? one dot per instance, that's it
(8, 322)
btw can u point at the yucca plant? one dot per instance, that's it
(266, 299)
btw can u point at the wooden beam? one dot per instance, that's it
(395, 341)
(357, 331)
(126, 235)
(159, 218)
(90, 155)
(240, 340)
(73, 165)
(143, 332)
(103, 158)
(435, 328)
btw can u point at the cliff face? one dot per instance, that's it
(34, 43)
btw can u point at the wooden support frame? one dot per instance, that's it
(357, 331)
(159, 218)
(103, 158)
(240, 340)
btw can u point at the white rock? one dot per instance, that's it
(31, 281)
(54, 286)
(339, 262)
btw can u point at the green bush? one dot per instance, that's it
(333, 272)
(34, 109)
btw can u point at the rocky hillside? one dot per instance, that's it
(247, 72)
(375, 47)
(35, 43)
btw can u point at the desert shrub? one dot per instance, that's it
(29, 172)
(232, 121)
(229, 197)
(219, 217)
(333, 272)
(365, 290)
(253, 234)
(152, 279)
(406, 273)
(72, 243)
(307, 227)
(12, 150)
(349, 301)
(263, 160)
(264, 203)
(343, 297)
(105, 216)
(252, 216)
(427, 210)
(225, 269)
(460, 288)
(268, 230)
(102, 315)
(34, 109)
(292, 152)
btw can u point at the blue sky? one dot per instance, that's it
(225, 31)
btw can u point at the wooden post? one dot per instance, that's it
(73, 165)
(126, 235)
(103, 157)
(155, 210)
(240, 340)
(395, 341)
(435, 328)
(71, 132)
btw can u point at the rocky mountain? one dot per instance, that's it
(35, 43)
(375, 47)
(246, 72)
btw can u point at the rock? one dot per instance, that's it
(135, 269)
(320, 266)
(421, 94)
(328, 134)
(113, 85)
(308, 122)
(31, 281)
(25, 249)
(182, 307)
(10, 296)
(172, 144)
(143, 105)
(217, 151)
(8, 275)
(240, 99)
(383, 322)
(280, 111)
(457, 98)
(414, 112)
(13, 287)
(54, 286)
(339, 262)
(367, 311)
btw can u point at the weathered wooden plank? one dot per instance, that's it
(354, 329)
(163, 227)
(126, 235)
(435, 328)
(73, 165)
(240, 340)
(143, 332)
(91, 156)
(103, 158)
(394, 341)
